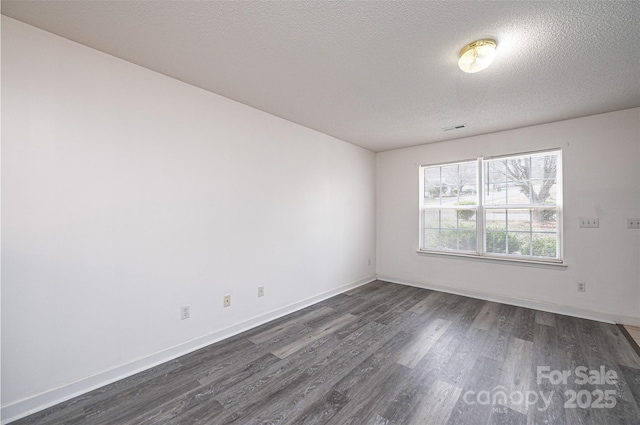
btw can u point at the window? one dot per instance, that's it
(507, 207)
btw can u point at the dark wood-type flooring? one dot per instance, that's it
(383, 354)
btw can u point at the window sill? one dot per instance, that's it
(512, 261)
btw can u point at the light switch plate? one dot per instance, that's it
(589, 222)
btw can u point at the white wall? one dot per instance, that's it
(127, 194)
(601, 158)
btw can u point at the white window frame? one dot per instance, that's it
(481, 210)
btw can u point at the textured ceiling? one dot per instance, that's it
(381, 75)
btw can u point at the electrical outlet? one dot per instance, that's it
(185, 312)
(227, 301)
(633, 223)
(261, 291)
(582, 287)
(589, 222)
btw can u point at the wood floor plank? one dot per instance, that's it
(545, 318)
(462, 311)
(437, 406)
(278, 321)
(324, 410)
(379, 420)
(434, 366)
(523, 325)
(427, 302)
(461, 356)
(305, 402)
(235, 362)
(402, 401)
(367, 375)
(73, 411)
(581, 335)
(384, 310)
(181, 407)
(284, 328)
(422, 343)
(335, 302)
(365, 400)
(318, 369)
(214, 354)
(399, 306)
(226, 377)
(325, 372)
(386, 296)
(468, 409)
(138, 400)
(545, 345)
(497, 343)
(618, 346)
(632, 378)
(488, 316)
(382, 357)
(515, 374)
(308, 339)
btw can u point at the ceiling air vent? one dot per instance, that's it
(455, 127)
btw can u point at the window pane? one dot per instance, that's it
(467, 240)
(449, 239)
(449, 219)
(432, 195)
(518, 192)
(544, 245)
(449, 198)
(519, 243)
(467, 218)
(451, 184)
(496, 220)
(522, 232)
(521, 180)
(496, 242)
(507, 242)
(431, 176)
(495, 193)
(544, 166)
(544, 220)
(537, 167)
(544, 192)
(450, 229)
(432, 185)
(519, 220)
(431, 239)
(467, 184)
(431, 219)
(496, 171)
(449, 172)
(456, 240)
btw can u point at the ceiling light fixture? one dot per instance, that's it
(477, 56)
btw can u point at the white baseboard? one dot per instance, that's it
(25, 407)
(521, 302)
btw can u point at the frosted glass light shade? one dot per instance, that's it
(477, 56)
